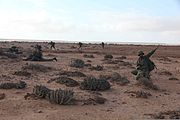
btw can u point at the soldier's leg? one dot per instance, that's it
(54, 47)
(147, 74)
(134, 72)
(140, 74)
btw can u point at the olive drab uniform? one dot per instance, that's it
(145, 65)
(37, 54)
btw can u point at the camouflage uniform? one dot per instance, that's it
(36, 55)
(143, 64)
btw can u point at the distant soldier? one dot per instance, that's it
(80, 45)
(144, 64)
(102, 45)
(52, 45)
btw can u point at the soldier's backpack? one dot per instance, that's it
(151, 65)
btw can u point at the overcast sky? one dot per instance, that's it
(156, 21)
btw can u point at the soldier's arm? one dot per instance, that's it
(152, 52)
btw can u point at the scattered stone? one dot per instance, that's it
(116, 78)
(72, 74)
(88, 65)
(139, 94)
(134, 72)
(167, 73)
(173, 78)
(166, 59)
(37, 67)
(105, 77)
(10, 85)
(22, 73)
(91, 83)
(38, 111)
(97, 68)
(119, 62)
(30, 96)
(73, 47)
(95, 100)
(123, 63)
(2, 96)
(108, 56)
(88, 56)
(89, 61)
(167, 115)
(147, 83)
(109, 61)
(67, 81)
(78, 63)
(121, 58)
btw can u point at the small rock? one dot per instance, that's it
(2, 96)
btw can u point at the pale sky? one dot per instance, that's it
(152, 21)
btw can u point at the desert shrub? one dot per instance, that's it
(62, 97)
(78, 63)
(9, 55)
(174, 114)
(11, 85)
(91, 83)
(108, 56)
(88, 56)
(41, 91)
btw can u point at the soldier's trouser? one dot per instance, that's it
(53, 47)
(142, 73)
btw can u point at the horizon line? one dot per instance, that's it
(89, 41)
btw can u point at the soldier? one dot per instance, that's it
(52, 45)
(37, 55)
(144, 64)
(80, 45)
(102, 45)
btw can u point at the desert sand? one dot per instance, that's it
(120, 104)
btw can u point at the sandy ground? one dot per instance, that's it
(119, 105)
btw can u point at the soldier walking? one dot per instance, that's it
(52, 45)
(102, 45)
(80, 45)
